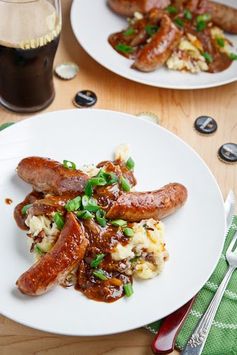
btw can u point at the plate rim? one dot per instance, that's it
(128, 116)
(137, 80)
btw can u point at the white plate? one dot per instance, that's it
(194, 234)
(92, 22)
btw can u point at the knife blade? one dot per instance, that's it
(164, 341)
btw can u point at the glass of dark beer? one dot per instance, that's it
(29, 37)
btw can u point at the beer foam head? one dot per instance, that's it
(28, 23)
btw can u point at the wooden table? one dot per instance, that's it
(177, 111)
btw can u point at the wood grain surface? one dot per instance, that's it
(177, 111)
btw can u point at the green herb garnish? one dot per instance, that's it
(25, 208)
(85, 214)
(233, 56)
(97, 260)
(151, 29)
(208, 57)
(130, 31)
(128, 232)
(125, 185)
(201, 26)
(124, 48)
(100, 274)
(128, 289)
(118, 223)
(220, 41)
(203, 18)
(73, 205)
(59, 220)
(100, 218)
(179, 22)
(172, 10)
(69, 165)
(38, 250)
(188, 14)
(130, 164)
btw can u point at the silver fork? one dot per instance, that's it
(198, 339)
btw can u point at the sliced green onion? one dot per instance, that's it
(130, 31)
(69, 164)
(128, 289)
(172, 10)
(88, 189)
(84, 214)
(90, 204)
(203, 18)
(151, 29)
(201, 26)
(74, 204)
(179, 22)
(110, 178)
(118, 223)
(125, 184)
(25, 208)
(124, 48)
(38, 250)
(97, 260)
(130, 164)
(100, 218)
(128, 232)
(188, 14)
(95, 181)
(220, 41)
(59, 220)
(233, 56)
(100, 274)
(208, 57)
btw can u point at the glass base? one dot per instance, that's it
(14, 108)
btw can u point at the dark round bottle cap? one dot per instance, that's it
(85, 98)
(228, 152)
(205, 125)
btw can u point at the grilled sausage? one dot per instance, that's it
(135, 206)
(56, 264)
(49, 176)
(155, 53)
(49, 204)
(223, 16)
(128, 7)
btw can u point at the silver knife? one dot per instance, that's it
(195, 345)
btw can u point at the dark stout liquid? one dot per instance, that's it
(26, 76)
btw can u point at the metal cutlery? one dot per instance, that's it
(164, 341)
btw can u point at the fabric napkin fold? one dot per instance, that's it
(222, 339)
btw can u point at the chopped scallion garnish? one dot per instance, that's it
(125, 185)
(119, 223)
(151, 29)
(128, 232)
(204, 18)
(179, 22)
(130, 31)
(208, 57)
(100, 218)
(201, 26)
(69, 164)
(124, 48)
(74, 204)
(172, 10)
(233, 56)
(25, 208)
(85, 214)
(220, 41)
(97, 260)
(130, 163)
(188, 14)
(100, 274)
(38, 250)
(128, 289)
(59, 220)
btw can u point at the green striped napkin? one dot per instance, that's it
(222, 339)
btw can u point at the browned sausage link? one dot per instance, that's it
(49, 176)
(18, 215)
(155, 53)
(135, 206)
(49, 204)
(128, 7)
(223, 16)
(53, 266)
